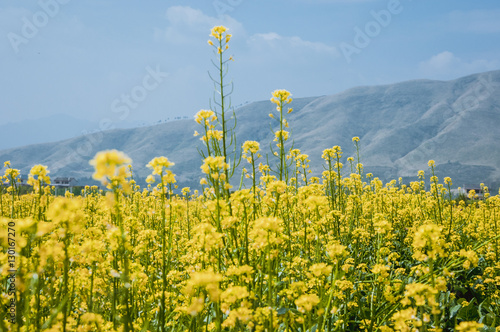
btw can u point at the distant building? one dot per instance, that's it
(64, 184)
(467, 188)
(23, 181)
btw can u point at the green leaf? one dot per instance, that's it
(454, 310)
(487, 329)
(474, 272)
(469, 313)
(488, 319)
(282, 311)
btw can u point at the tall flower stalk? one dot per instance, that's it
(112, 169)
(226, 140)
(160, 167)
(281, 98)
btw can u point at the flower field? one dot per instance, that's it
(280, 251)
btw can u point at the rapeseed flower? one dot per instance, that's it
(159, 164)
(427, 242)
(251, 146)
(111, 168)
(306, 302)
(469, 327)
(281, 97)
(218, 32)
(38, 175)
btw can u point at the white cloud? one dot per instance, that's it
(190, 26)
(285, 61)
(292, 44)
(447, 65)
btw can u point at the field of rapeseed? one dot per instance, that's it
(286, 252)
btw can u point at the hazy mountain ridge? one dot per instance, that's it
(401, 127)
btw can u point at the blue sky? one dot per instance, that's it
(82, 58)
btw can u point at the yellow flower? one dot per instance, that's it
(206, 237)
(355, 139)
(420, 293)
(344, 285)
(471, 256)
(150, 179)
(381, 224)
(212, 165)
(242, 315)
(427, 242)
(281, 96)
(169, 177)
(66, 210)
(306, 302)
(471, 194)
(281, 134)
(265, 232)
(38, 174)
(381, 269)
(11, 174)
(334, 152)
(197, 304)
(320, 269)
(404, 320)
(468, 327)
(158, 165)
(251, 146)
(233, 294)
(335, 249)
(215, 134)
(208, 280)
(108, 163)
(218, 31)
(204, 116)
(431, 163)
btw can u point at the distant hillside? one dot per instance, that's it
(401, 127)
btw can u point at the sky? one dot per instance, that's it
(143, 61)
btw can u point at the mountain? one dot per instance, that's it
(401, 127)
